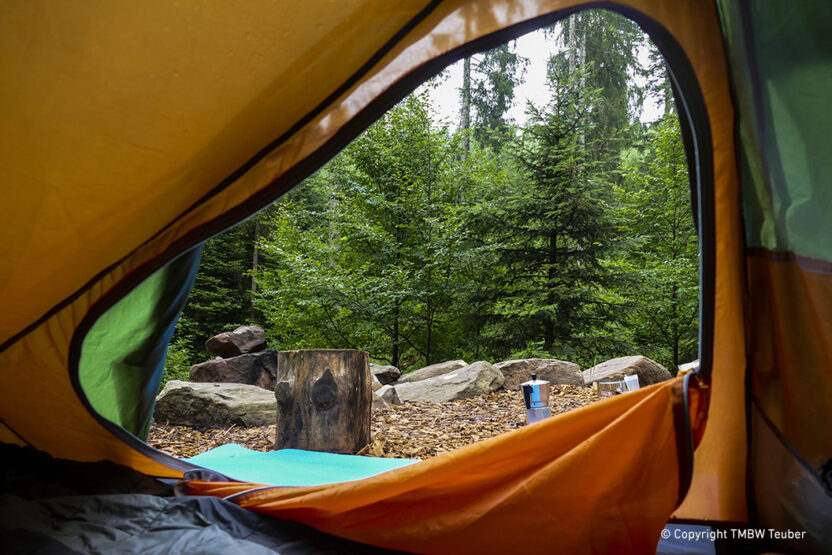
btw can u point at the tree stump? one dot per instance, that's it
(323, 400)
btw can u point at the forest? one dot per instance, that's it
(567, 233)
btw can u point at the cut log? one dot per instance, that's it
(324, 400)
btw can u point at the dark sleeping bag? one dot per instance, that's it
(55, 506)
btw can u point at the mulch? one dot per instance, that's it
(410, 431)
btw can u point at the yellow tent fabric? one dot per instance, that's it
(134, 131)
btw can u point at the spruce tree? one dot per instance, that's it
(487, 93)
(551, 230)
(610, 43)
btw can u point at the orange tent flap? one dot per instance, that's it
(604, 478)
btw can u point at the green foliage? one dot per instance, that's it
(178, 362)
(378, 269)
(496, 73)
(661, 255)
(289, 286)
(551, 231)
(568, 237)
(658, 83)
(221, 297)
(610, 43)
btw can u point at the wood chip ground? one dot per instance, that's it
(410, 431)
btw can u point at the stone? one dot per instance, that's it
(245, 339)
(432, 371)
(388, 393)
(214, 405)
(648, 371)
(379, 403)
(385, 374)
(253, 369)
(376, 384)
(475, 379)
(556, 372)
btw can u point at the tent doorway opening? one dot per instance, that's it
(530, 202)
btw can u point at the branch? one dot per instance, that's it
(336, 329)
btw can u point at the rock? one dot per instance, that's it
(376, 384)
(648, 371)
(478, 378)
(245, 339)
(432, 371)
(253, 369)
(385, 374)
(266, 380)
(388, 393)
(214, 405)
(556, 372)
(379, 403)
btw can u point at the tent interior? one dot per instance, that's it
(135, 133)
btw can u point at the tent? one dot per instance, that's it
(132, 132)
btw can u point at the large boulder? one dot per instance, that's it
(648, 371)
(215, 405)
(432, 371)
(385, 374)
(556, 372)
(245, 339)
(478, 378)
(253, 369)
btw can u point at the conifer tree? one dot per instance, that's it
(487, 93)
(552, 231)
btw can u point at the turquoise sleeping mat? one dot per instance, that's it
(292, 467)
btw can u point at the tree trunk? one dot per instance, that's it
(323, 400)
(577, 56)
(395, 356)
(465, 112)
(254, 264)
(428, 332)
(333, 237)
(551, 274)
